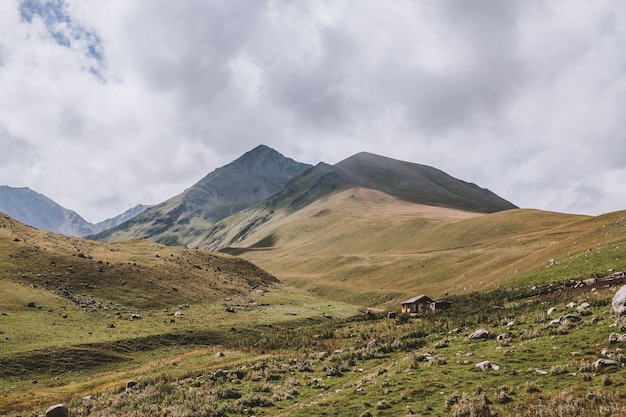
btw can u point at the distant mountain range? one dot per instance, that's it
(262, 186)
(37, 210)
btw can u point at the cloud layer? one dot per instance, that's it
(105, 105)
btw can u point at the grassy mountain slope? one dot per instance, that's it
(364, 246)
(133, 274)
(406, 182)
(249, 179)
(67, 307)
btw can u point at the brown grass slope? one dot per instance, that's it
(135, 274)
(364, 246)
(405, 181)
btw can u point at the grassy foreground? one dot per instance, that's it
(288, 363)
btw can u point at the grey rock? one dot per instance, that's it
(619, 301)
(601, 364)
(479, 334)
(487, 366)
(569, 319)
(58, 410)
(617, 338)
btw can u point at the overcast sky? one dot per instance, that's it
(107, 104)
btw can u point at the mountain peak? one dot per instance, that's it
(253, 177)
(418, 183)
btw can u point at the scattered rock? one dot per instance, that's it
(110, 326)
(551, 310)
(569, 319)
(571, 305)
(383, 405)
(219, 354)
(178, 314)
(541, 371)
(617, 338)
(135, 316)
(31, 305)
(487, 366)
(372, 343)
(583, 307)
(58, 410)
(479, 334)
(619, 301)
(502, 337)
(601, 364)
(131, 384)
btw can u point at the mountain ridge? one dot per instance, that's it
(406, 181)
(38, 210)
(254, 176)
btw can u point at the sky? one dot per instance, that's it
(108, 104)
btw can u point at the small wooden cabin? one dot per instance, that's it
(423, 303)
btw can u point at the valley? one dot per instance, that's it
(287, 303)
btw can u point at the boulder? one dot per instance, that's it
(617, 338)
(619, 301)
(502, 337)
(601, 364)
(58, 410)
(487, 366)
(479, 334)
(583, 307)
(569, 319)
(131, 384)
(551, 310)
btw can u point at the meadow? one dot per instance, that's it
(209, 334)
(299, 358)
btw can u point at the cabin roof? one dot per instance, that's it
(421, 297)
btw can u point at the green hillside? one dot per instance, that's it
(218, 336)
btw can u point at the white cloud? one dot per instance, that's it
(108, 104)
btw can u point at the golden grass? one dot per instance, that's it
(366, 247)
